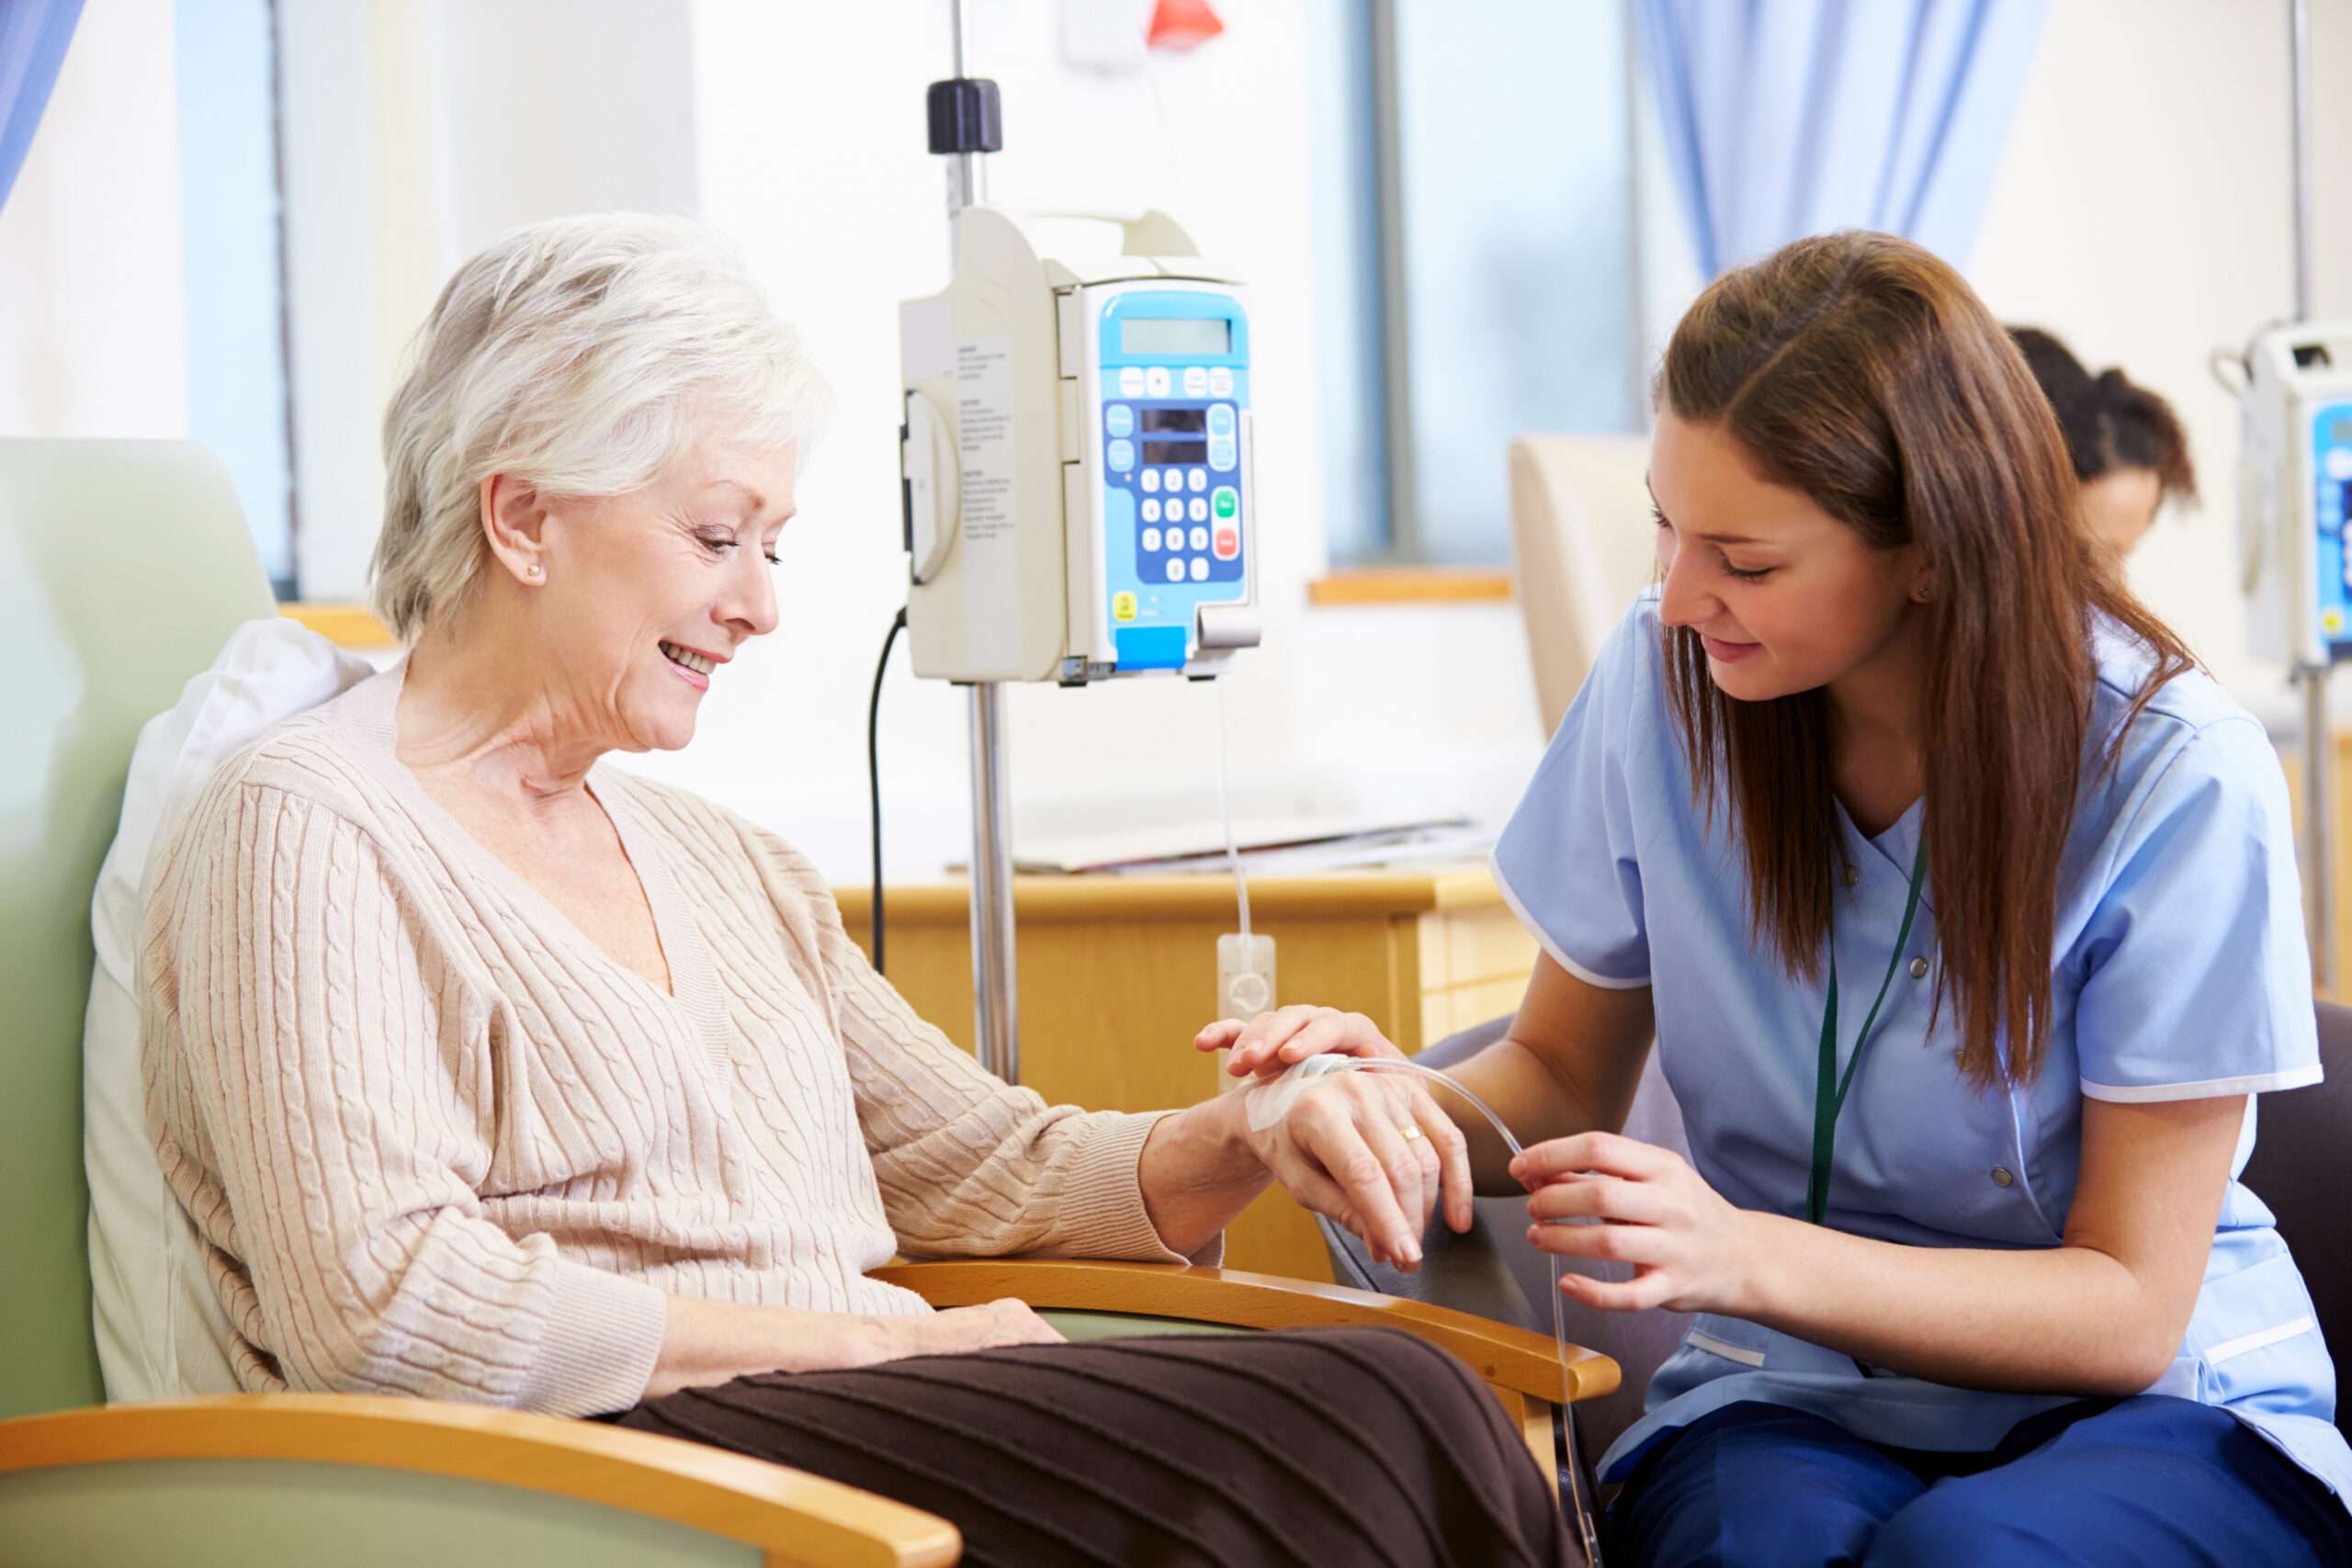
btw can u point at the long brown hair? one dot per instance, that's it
(1858, 368)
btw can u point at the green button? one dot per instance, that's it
(1227, 500)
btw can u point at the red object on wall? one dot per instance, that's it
(1181, 24)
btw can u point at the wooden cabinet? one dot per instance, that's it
(1117, 973)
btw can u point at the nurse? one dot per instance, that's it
(1963, 908)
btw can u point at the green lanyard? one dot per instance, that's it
(1829, 1090)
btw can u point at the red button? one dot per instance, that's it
(1228, 543)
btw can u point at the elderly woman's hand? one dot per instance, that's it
(960, 1330)
(707, 1342)
(1373, 1152)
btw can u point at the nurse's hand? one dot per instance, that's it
(1273, 1042)
(1373, 1152)
(1688, 1248)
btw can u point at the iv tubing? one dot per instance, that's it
(1224, 809)
(1583, 1509)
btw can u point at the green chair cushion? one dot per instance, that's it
(241, 1513)
(124, 565)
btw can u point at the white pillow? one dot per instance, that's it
(160, 1328)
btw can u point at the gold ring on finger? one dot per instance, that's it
(1409, 1131)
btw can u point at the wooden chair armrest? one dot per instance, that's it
(1502, 1354)
(790, 1515)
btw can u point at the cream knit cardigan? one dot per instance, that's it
(437, 1142)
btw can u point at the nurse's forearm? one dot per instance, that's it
(1570, 1063)
(2062, 1320)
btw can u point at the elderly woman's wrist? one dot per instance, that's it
(1219, 1129)
(1197, 1168)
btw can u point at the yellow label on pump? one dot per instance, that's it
(1122, 606)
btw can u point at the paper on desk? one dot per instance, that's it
(1291, 844)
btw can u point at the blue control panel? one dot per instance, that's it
(1172, 371)
(2331, 511)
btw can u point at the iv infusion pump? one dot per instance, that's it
(1076, 460)
(2295, 492)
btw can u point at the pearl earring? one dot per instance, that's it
(533, 570)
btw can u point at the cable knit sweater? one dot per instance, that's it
(437, 1142)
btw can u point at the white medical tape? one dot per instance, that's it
(1268, 1101)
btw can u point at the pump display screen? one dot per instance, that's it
(1172, 335)
(1168, 401)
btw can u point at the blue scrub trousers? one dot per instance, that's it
(2153, 1481)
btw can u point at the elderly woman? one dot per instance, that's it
(490, 1072)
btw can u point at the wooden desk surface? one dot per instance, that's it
(1209, 896)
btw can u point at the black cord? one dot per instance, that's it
(874, 773)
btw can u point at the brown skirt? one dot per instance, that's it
(1328, 1446)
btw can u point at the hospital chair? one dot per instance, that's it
(2301, 1167)
(124, 567)
(1582, 546)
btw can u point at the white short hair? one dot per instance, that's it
(581, 355)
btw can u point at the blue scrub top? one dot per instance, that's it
(2180, 971)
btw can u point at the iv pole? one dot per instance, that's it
(2319, 739)
(966, 122)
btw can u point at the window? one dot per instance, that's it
(230, 205)
(1478, 237)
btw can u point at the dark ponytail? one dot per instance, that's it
(2108, 422)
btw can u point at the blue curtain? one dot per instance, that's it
(1787, 117)
(33, 35)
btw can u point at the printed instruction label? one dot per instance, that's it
(984, 424)
(991, 541)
